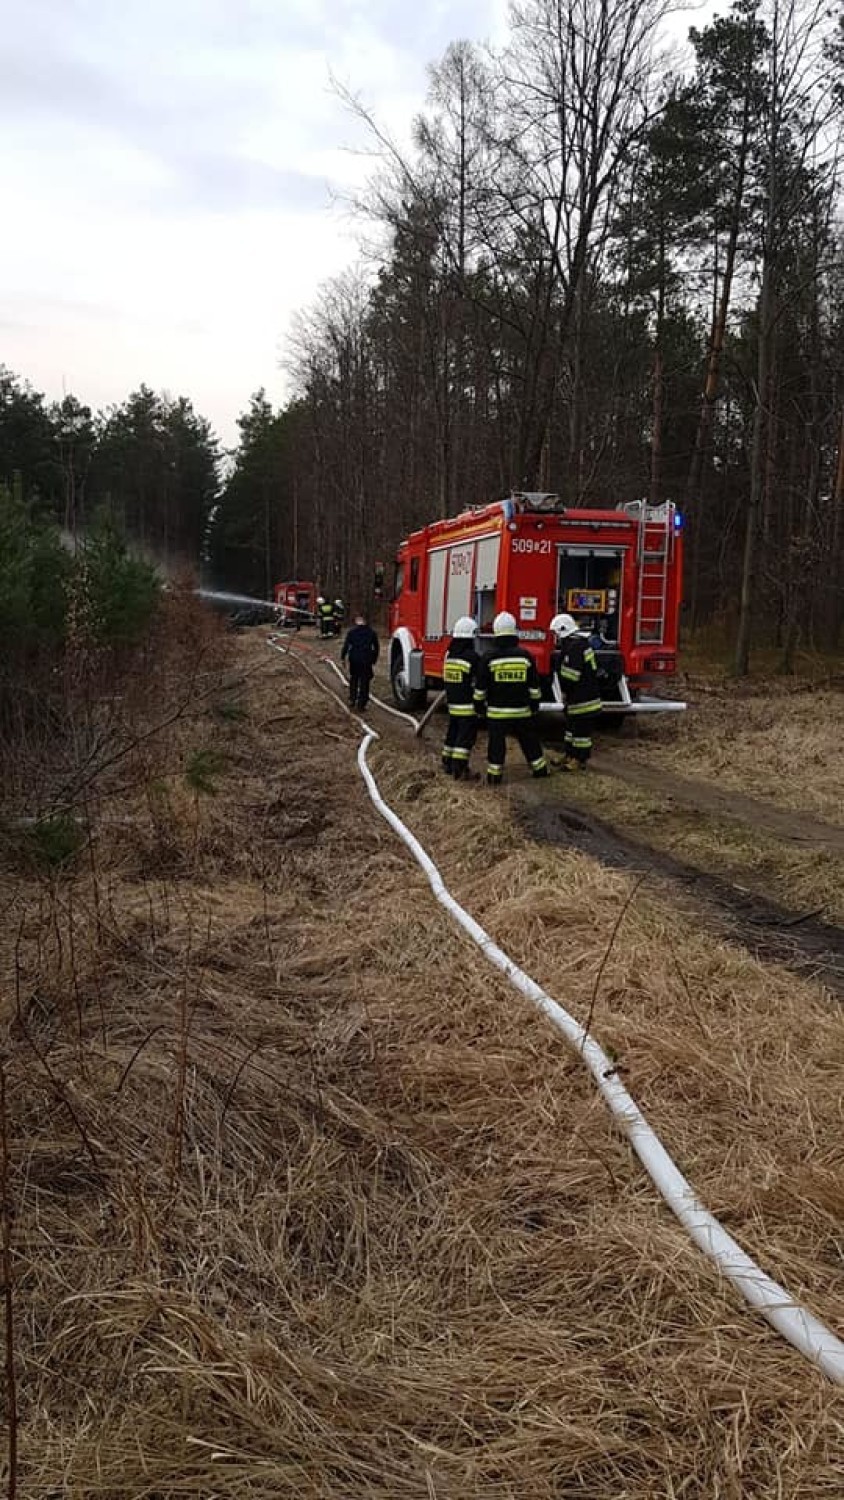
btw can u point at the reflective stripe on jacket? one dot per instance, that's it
(459, 670)
(578, 673)
(508, 682)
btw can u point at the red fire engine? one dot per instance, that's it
(297, 603)
(618, 572)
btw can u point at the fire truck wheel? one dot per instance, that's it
(406, 697)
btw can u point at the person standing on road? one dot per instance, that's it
(459, 677)
(577, 670)
(325, 615)
(360, 649)
(337, 615)
(508, 693)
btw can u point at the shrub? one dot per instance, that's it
(55, 841)
(35, 574)
(120, 592)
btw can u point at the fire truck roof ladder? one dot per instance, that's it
(654, 546)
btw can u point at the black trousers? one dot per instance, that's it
(459, 742)
(522, 730)
(359, 679)
(578, 740)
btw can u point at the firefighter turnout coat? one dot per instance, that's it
(509, 693)
(578, 673)
(507, 683)
(459, 677)
(459, 670)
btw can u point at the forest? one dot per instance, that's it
(603, 267)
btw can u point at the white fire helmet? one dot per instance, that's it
(562, 625)
(504, 624)
(339, 603)
(464, 628)
(320, 599)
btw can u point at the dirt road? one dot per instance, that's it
(705, 797)
(768, 878)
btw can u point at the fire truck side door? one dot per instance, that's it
(486, 576)
(436, 593)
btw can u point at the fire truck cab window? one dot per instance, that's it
(414, 575)
(398, 580)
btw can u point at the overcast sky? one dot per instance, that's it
(168, 179)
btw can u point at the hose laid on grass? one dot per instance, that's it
(795, 1323)
(329, 662)
(387, 707)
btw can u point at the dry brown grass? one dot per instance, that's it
(384, 1241)
(777, 742)
(798, 878)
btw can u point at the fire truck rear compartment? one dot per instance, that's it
(589, 587)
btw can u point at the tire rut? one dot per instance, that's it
(808, 946)
(792, 827)
(803, 943)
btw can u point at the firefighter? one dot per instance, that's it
(337, 614)
(508, 693)
(325, 615)
(361, 649)
(578, 673)
(459, 671)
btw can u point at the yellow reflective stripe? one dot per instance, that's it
(461, 710)
(589, 656)
(594, 706)
(570, 674)
(536, 692)
(508, 713)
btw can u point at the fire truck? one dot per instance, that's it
(617, 571)
(296, 603)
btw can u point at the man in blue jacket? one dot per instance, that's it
(360, 649)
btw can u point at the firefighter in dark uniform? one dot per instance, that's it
(577, 669)
(459, 677)
(508, 693)
(325, 615)
(361, 649)
(337, 615)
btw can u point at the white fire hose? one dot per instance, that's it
(795, 1323)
